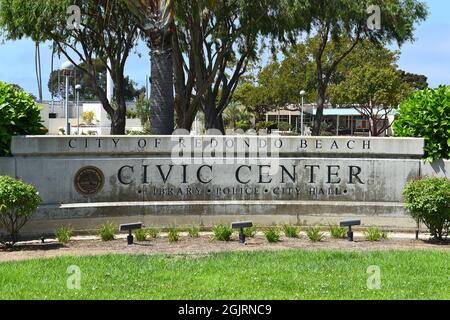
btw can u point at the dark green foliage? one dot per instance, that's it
(338, 232)
(19, 115)
(194, 232)
(153, 232)
(107, 231)
(250, 232)
(428, 201)
(140, 235)
(426, 114)
(314, 234)
(272, 234)
(18, 202)
(222, 232)
(291, 231)
(63, 234)
(375, 234)
(173, 235)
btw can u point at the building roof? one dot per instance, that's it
(326, 112)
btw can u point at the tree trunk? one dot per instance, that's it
(162, 99)
(319, 112)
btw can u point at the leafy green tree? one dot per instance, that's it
(417, 81)
(339, 25)
(426, 114)
(237, 117)
(19, 115)
(370, 82)
(214, 44)
(18, 202)
(143, 107)
(107, 32)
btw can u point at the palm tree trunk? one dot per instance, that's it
(162, 99)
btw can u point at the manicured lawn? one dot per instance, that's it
(241, 275)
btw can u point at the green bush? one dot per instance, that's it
(194, 232)
(63, 234)
(375, 234)
(173, 235)
(426, 114)
(140, 235)
(272, 234)
(107, 231)
(18, 202)
(428, 201)
(314, 234)
(250, 232)
(19, 115)
(269, 126)
(291, 231)
(153, 232)
(222, 232)
(338, 232)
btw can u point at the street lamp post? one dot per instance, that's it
(302, 124)
(77, 89)
(67, 67)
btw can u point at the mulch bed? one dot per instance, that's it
(201, 246)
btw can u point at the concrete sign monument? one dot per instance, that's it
(203, 180)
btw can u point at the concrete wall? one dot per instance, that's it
(440, 168)
(183, 180)
(7, 167)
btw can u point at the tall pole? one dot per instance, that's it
(66, 106)
(78, 111)
(302, 118)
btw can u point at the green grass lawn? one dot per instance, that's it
(241, 275)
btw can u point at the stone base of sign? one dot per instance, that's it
(184, 180)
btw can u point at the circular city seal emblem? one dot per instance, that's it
(89, 181)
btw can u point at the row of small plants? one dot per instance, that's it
(108, 231)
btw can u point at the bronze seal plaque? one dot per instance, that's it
(89, 181)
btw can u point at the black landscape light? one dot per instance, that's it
(241, 225)
(350, 224)
(130, 227)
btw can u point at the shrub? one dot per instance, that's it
(338, 232)
(269, 126)
(18, 202)
(250, 232)
(222, 232)
(19, 115)
(173, 235)
(64, 234)
(272, 234)
(426, 114)
(153, 232)
(428, 201)
(375, 234)
(88, 117)
(291, 231)
(314, 234)
(107, 231)
(194, 232)
(140, 235)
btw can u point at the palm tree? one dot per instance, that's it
(156, 20)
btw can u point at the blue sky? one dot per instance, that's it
(428, 55)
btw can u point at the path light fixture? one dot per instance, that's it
(77, 90)
(67, 67)
(350, 224)
(241, 225)
(302, 124)
(130, 227)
